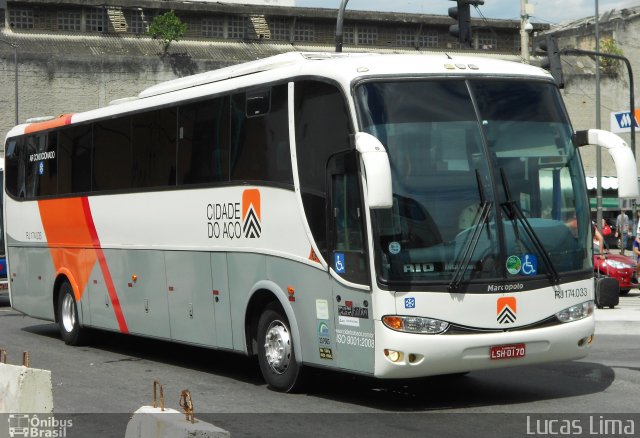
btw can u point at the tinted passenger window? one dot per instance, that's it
(260, 136)
(41, 165)
(322, 129)
(112, 161)
(154, 148)
(74, 159)
(203, 151)
(14, 167)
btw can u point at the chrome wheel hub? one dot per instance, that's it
(277, 347)
(68, 313)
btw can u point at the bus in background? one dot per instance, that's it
(395, 216)
(4, 284)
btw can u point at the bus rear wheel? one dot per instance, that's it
(276, 354)
(68, 322)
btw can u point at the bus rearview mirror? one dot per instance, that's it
(622, 156)
(377, 170)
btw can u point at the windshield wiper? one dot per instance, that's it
(515, 212)
(472, 243)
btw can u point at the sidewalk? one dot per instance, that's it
(624, 319)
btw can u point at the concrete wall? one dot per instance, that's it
(91, 74)
(52, 87)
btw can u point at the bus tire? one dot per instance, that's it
(276, 354)
(68, 322)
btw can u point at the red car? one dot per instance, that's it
(620, 267)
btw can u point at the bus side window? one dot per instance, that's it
(14, 167)
(260, 136)
(203, 142)
(41, 165)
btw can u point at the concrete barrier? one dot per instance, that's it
(25, 389)
(152, 422)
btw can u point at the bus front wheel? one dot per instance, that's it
(70, 330)
(276, 351)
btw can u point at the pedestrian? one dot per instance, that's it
(622, 230)
(597, 238)
(606, 229)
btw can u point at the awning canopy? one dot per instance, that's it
(608, 182)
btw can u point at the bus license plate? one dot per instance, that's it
(514, 351)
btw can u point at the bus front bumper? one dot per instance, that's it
(403, 355)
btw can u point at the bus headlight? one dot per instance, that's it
(415, 324)
(576, 312)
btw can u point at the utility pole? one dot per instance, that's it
(525, 28)
(599, 150)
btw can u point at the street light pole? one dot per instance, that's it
(15, 62)
(339, 25)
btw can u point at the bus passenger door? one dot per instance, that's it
(348, 266)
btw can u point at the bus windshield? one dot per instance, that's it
(487, 184)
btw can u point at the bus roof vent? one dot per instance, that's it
(223, 74)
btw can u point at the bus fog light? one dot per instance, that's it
(415, 324)
(574, 313)
(393, 356)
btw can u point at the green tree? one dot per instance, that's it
(609, 65)
(166, 28)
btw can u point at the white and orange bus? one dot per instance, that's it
(390, 215)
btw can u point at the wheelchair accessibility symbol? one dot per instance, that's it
(529, 264)
(338, 263)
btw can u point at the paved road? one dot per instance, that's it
(114, 374)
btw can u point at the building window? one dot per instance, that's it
(408, 37)
(212, 27)
(405, 37)
(487, 41)
(237, 27)
(428, 39)
(69, 20)
(95, 20)
(279, 29)
(367, 35)
(21, 18)
(304, 32)
(137, 22)
(348, 35)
